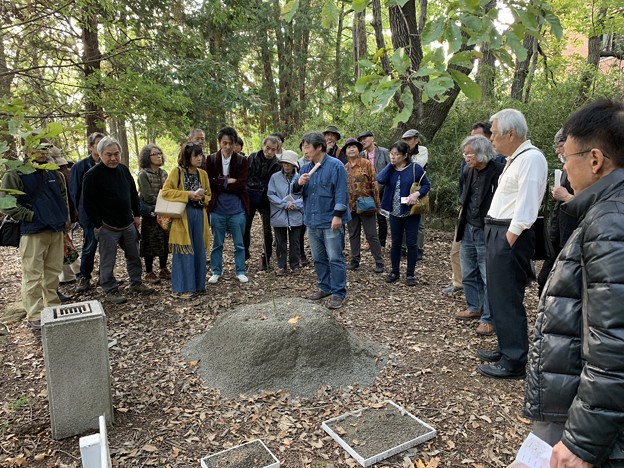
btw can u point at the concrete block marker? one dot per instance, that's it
(250, 454)
(75, 351)
(373, 434)
(94, 450)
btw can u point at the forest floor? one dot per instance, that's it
(166, 415)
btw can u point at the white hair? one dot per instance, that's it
(511, 119)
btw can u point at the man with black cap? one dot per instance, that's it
(332, 136)
(379, 158)
(418, 154)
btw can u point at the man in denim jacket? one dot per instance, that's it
(323, 182)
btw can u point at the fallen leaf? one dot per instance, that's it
(294, 319)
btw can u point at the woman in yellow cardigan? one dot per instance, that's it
(190, 236)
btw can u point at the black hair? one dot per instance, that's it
(144, 156)
(485, 126)
(315, 139)
(240, 142)
(227, 131)
(401, 147)
(278, 135)
(186, 151)
(600, 125)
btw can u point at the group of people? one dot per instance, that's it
(575, 371)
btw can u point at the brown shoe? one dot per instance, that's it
(485, 329)
(467, 315)
(164, 274)
(318, 295)
(151, 278)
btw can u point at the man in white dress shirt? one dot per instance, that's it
(510, 242)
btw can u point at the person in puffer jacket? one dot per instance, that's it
(575, 382)
(286, 214)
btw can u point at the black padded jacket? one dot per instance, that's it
(576, 366)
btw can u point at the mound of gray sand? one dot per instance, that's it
(291, 344)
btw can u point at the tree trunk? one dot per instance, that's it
(486, 73)
(337, 74)
(5, 92)
(532, 68)
(379, 36)
(359, 41)
(522, 69)
(269, 79)
(94, 114)
(118, 130)
(594, 47)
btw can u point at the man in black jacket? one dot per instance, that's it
(262, 165)
(575, 381)
(111, 202)
(481, 181)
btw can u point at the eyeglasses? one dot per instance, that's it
(156, 154)
(468, 155)
(564, 157)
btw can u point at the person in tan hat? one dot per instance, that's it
(286, 214)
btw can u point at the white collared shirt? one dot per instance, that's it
(521, 188)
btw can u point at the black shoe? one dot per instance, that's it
(410, 281)
(498, 371)
(62, 297)
(318, 295)
(490, 356)
(379, 268)
(353, 266)
(392, 277)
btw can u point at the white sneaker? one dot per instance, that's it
(213, 279)
(242, 278)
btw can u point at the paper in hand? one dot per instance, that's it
(313, 170)
(534, 453)
(558, 174)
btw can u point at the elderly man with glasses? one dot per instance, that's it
(481, 181)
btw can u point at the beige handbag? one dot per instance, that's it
(168, 209)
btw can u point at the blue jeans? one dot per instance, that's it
(409, 226)
(327, 251)
(235, 224)
(472, 258)
(89, 247)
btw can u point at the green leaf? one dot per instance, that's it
(8, 201)
(377, 55)
(12, 191)
(436, 87)
(408, 107)
(289, 10)
(4, 147)
(401, 60)
(329, 14)
(399, 3)
(465, 58)
(514, 43)
(11, 164)
(433, 30)
(363, 83)
(555, 25)
(454, 38)
(471, 89)
(365, 63)
(383, 94)
(359, 5)
(504, 57)
(53, 129)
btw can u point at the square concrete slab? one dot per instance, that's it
(250, 454)
(373, 434)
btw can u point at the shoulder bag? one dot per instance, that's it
(9, 232)
(421, 206)
(169, 209)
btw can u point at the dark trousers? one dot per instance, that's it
(287, 246)
(409, 226)
(265, 213)
(89, 248)
(508, 271)
(382, 229)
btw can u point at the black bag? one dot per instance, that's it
(9, 232)
(543, 246)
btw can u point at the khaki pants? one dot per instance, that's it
(42, 263)
(455, 264)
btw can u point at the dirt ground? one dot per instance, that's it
(165, 415)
